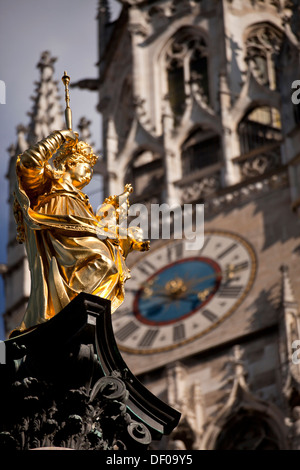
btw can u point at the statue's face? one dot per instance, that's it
(80, 173)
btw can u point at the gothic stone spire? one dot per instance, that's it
(46, 114)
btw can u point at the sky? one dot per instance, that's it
(68, 29)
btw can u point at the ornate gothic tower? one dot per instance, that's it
(196, 105)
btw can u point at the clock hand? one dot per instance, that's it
(232, 269)
(202, 295)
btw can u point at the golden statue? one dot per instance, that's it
(66, 255)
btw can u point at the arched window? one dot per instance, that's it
(262, 48)
(176, 86)
(248, 431)
(145, 173)
(260, 127)
(199, 69)
(187, 70)
(201, 149)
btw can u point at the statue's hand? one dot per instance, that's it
(141, 246)
(134, 241)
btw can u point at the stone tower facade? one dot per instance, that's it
(196, 105)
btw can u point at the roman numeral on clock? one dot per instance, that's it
(174, 252)
(146, 268)
(132, 290)
(229, 291)
(227, 251)
(121, 312)
(241, 266)
(123, 333)
(209, 315)
(206, 241)
(178, 332)
(148, 338)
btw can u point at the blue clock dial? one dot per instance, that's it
(177, 291)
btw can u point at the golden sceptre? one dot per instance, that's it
(68, 113)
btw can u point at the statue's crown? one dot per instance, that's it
(81, 149)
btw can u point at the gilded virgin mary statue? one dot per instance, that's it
(56, 222)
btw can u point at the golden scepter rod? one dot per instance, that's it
(68, 113)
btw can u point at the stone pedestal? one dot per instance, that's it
(66, 385)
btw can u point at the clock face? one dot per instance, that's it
(176, 295)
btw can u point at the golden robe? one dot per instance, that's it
(60, 231)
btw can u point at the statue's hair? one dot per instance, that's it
(80, 152)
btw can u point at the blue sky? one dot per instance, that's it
(68, 29)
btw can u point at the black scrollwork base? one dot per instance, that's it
(66, 385)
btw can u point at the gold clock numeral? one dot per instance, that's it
(232, 269)
(147, 292)
(203, 294)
